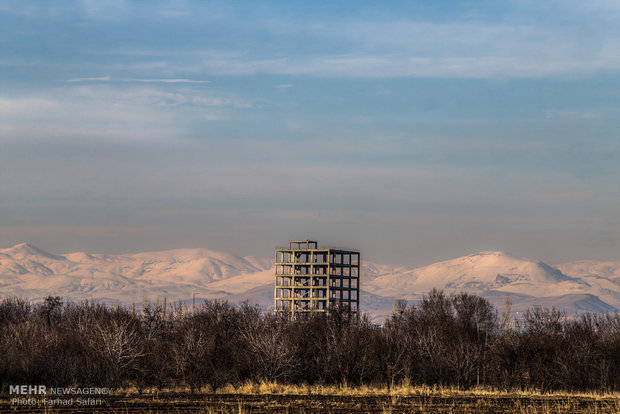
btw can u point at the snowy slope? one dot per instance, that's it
(590, 268)
(28, 271)
(479, 272)
(603, 278)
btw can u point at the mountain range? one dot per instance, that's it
(196, 274)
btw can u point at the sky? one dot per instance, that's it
(415, 131)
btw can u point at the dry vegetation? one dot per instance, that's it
(273, 397)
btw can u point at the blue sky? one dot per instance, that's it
(414, 131)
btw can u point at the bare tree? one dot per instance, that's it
(189, 352)
(119, 345)
(397, 353)
(273, 356)
(51, 307)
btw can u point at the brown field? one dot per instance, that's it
(274, 398)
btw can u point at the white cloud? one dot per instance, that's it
(106, 111)
(143, 80)
(543, 63)
(11, 107)
(410, 49)
(160, 97)
(212, 116)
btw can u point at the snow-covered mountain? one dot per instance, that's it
(480, 272)
(28, 271)
(575, 287)
(181, 274)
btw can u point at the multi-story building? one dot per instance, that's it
(313, 279)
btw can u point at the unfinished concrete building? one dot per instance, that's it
(312, 279)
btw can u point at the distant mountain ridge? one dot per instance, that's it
(181, 274)
(476, 272)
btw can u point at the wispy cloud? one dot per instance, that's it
(406, 49)
(157, 96)
(142, 80)
(95, 112)
(64, 117)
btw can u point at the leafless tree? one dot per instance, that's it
(272, 355)
(118, 343)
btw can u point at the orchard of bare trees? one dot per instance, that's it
(456, 340)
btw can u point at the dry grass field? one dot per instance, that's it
(275, 398)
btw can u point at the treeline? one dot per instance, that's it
(456, 340)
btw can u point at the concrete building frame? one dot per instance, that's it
(313, 279)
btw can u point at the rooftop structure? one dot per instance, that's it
(313, 279)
